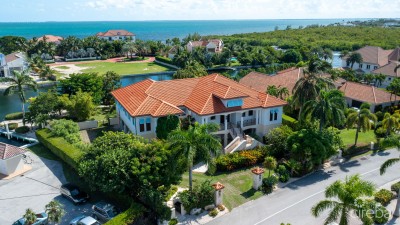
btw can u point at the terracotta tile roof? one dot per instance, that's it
(8, 151)
(202, 95)
(218, 186)
(11, 57)
(199, 43)
(257, 170)
(388, 69)
(111, 33)
(51, 38)
(395, 55)
(366, 93)
(374, 55)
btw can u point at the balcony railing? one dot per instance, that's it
(246, 123)
(222, 126)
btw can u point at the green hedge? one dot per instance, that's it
(395, 187)
(128, 216)
(12, 126)
(289, 121)
(60, 147)
(164, 59)
(383, 196)
(14, 116)
(22, 130)
(240, 159)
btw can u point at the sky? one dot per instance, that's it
(138, 10)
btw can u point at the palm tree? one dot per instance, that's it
(18, 84)
(272, 90)
(129, 48)
(379, 78)
(196, 142)
(354, 57)
(394, 88)
(282, 92)
(369, 78)
(30, 217)
(362, 118)
(343, 198)
(327, 54)
(391, 141)
(343, 54)
(391, 122)
(328, 107)
(54, 211)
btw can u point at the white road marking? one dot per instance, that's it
(290, 206)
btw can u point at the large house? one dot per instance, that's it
(211, 99)
(113, 35)
(212, 46)
(51, 38)
(14, 61)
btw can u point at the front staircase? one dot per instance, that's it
(240, 141)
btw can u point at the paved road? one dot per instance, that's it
(292, 203)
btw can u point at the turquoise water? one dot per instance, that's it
(156, 30)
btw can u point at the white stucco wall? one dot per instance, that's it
(9, 166)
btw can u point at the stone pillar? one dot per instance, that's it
(226, 122)
(257, 177)
(218, 193)
(241, 121)
(257, 116)
(372, 145)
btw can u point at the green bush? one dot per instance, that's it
(268, 184)
(173, 222)
(213, 213)
(67, 129)
(290, 122)
(395, 187)
(383, 196)
(240, 159)
(164, 59)
(129, 216)
(283, 174)
(22, 130)
(168, 193)
(14, 116)
(199, 197)
(12, 126)
(60, 147)
(381, 215)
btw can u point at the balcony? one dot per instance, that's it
(249, 122)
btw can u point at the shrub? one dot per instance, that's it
(290, 122)
(12, 126)
(129, 216)
(383, 196)
(283, 174)
(213, 213)
(67, 129)
(221, 207)
(22, 130)
(164, 59)
(268, 184)
(165, 125)
(240, 159)
(173, 222)
(60, 147)
(199, 197)
(276, 138)
(395, 187)
(168, 193)
(380, 132)
(14, 116)
(381, 215)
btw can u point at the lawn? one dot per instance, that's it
(62, 67)
(238, 186)
(123, 68)
(348, 137)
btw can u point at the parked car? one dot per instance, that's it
(104, 211)
(84, 220)
(73, 193)
(41, 219)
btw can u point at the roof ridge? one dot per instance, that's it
(373, 91)
(164, 102)
(211, 94)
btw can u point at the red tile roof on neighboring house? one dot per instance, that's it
(199, 43)
(388, 69)
(202, 95)
(11, 57)
(112, 33)
(366, 93)
(51, 38)
(374, 55)
(395, 55)
(8, 151)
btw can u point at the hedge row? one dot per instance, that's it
(14, 116)
(164, 59)
(289, 121)
(60, 147)
(128, 216)
(240, 159)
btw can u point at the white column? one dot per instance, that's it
(226, 122)
(241, 121)
(257, 116)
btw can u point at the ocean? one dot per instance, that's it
(157, 30)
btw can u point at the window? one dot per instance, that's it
(244, 114)
(148, 124)
(389, 78)
(273, 115)
(368, 67)
(212, 118)
(360, 66)
(234, 103)
(251, 112)
(348, 64)
(276, 115)
(375, 67)
(141, 125)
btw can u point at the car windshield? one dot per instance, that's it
(74, 192)
(112, 212)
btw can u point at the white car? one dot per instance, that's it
(84, 220)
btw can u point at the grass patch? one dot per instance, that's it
(238, 186)
(348, 137)
(123, 68)
(62, 67)
(41, 151)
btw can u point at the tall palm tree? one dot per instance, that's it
(30, 217)
(327, 54)
(54, 211)
(354, 57)
(343, 54)
(369, 78)
(362, 119)
(328, 107)
(129, 48)
(196, 142)
(18, 83)
(342, 199)
(379, 78)
(391, 122)
(272, 90)
(391, 141)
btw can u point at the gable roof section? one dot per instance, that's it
(202, 95)
(395, 55)
(112, 33)
(199, 43)
(365, 93)
(374, 55)
(388, 69)
(12, 57)
(8, 151)
(50, 38)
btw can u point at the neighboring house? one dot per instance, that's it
(172, 52)
(388, 71)
(113, 35)
(356, 94)
(212, 46)
(210, 99)
(373, 58)
(14, 61)
(51, 38)
(10, 158)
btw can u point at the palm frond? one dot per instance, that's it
(388, 163)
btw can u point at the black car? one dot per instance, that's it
(73, 193)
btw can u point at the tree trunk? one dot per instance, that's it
(23, 113)
(397, 210)
(358, 130)
(190, 177)
(300, 111)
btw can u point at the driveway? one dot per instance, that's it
(34, 190)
